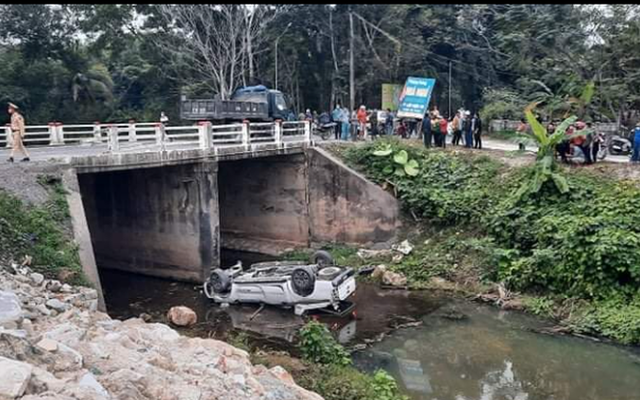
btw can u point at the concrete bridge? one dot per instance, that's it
(163, 201)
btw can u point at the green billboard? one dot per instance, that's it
(390, 95)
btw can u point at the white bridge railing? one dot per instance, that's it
(204, 135)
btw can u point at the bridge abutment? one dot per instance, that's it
(159, 221)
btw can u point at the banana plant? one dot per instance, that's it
(546, 167)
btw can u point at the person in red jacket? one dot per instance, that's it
(361, 115)
(443, 132)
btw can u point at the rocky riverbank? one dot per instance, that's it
(55, 345)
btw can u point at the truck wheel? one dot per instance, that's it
(322, 258)
(219, 281)
(303, 281)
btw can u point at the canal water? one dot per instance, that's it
(437, 347)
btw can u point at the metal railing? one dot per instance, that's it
(124, 136)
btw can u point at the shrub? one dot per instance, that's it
(319, 346)
(347, 383)
(39, 231)
(584, 242)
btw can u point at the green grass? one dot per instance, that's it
(41, 232)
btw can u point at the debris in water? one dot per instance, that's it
(405, 248)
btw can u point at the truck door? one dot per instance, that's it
(279, 106)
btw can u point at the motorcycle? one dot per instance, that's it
(619, 145)
(324, 127)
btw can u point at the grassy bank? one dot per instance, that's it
(574, 257)
(40, 234)
(325, 367)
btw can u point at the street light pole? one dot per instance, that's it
(276, 57)
(449, 88)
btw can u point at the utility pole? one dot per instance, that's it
(449, 115)
(352, 84)
(276, 56)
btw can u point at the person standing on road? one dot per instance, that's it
(636, 144)
(336, 116)
(457, 132)
(388, 122)
(344, 119)
(164, 120)
(17, 132)
(427, 131)
(477, 131)
(596, 142)
(361, 116)
(444, 131)
(468, 131)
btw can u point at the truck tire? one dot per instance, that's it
(322, 258)
(220, 281)
(303, 280)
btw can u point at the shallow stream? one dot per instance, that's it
(446, 348)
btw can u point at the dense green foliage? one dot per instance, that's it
(347, 383)
(38, 231)
(584, 243)
(332, 375)
(318, 345)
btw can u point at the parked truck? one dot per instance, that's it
(253, 103)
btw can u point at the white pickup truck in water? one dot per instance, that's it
(304, 286)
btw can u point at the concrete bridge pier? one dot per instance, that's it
(160, 221)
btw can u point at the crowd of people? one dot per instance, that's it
(586, 145)
(362, 124)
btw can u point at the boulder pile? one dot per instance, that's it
(55, 345)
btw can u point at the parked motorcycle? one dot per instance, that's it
(620, 145)
(324, 127)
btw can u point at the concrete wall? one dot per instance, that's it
(81, 233)
(263, 204)
(273, 204)
(345, 207)
(156, 221)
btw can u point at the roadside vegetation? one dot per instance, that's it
(565, 240)
(326, 369)
(39, 235)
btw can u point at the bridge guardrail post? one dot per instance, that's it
(53, 133)
(9, 135)
(59, 133)
(205, 135)
(132, 131)
(307, 131)
(160, 136)
(97, 133)
(246, 135)
(113, 143)
(278, 132)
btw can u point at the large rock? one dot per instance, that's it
(394, 279)
(378, 271)
(182, 316)
(14, 378)
(89, 381)
(37, 279)
(366, 254)
(10, 310)
(56, 304)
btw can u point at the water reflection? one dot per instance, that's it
(493, 356)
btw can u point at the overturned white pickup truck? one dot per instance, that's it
(301, 285)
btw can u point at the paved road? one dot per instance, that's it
(510, 146)
(64, 153)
